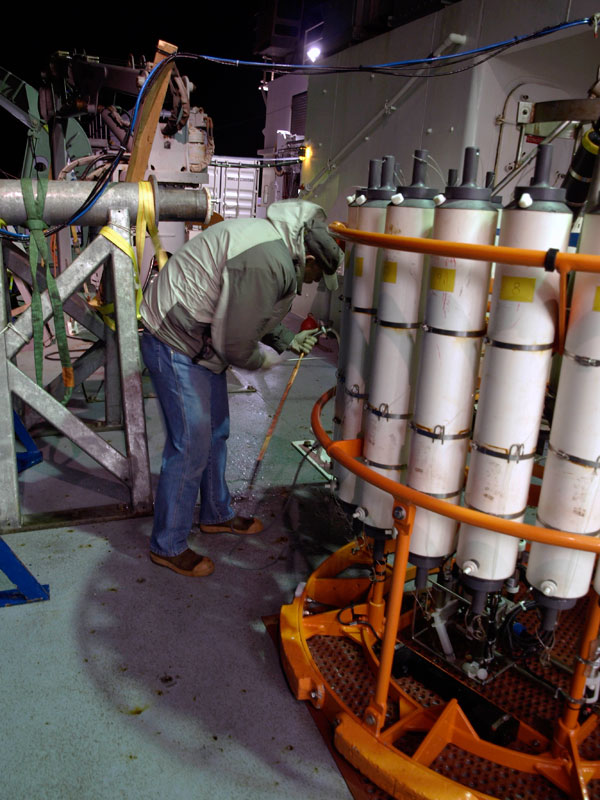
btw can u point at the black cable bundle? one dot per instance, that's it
(521, 644)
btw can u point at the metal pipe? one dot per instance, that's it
(456, 301)
(376, 710)
(365, 282)
(63, 199)
(391, 391)
(570, 493)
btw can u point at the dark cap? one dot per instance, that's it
(321, 244)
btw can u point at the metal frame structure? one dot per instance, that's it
(118, 351)
(341, 634)
(133, 469)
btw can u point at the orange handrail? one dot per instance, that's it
(347, 451)
(582, 262)
(563, 263)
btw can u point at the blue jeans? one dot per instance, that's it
(196, 413)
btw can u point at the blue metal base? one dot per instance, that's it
(27, 589)
(32, 454)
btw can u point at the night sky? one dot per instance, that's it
(229, 95)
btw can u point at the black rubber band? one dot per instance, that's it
(359, 310)
(550, 259)
(398, 467)
(516, 515)
(399, 325)
(456, 334)
(570, 699)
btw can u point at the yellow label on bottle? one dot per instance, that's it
(390, 271)
(441, 279)
(518, 289)
(596, 306)
(358, 267)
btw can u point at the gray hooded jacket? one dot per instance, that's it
(239, 277)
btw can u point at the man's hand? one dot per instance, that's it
(270, 358)
(304, 341)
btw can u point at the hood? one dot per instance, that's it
(290, 218)
(293, 219)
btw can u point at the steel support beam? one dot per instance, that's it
(89, 362)
(133, 469)
(130, 370)
(9, 487)
(94, 256)
(75, 306)
(64, 198)
(68, 424)
(112, 375)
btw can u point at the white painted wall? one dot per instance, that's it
(445, 114)
(441, 114)
(279, 106)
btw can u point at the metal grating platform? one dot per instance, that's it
(492, 779)
(532, 702)
(343, 665)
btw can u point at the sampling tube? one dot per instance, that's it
(517, 359)
(365, 279)
(399, 317)
(457, 295)
(570, 494)
(354, 203)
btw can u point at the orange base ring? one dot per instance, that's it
(427, 748)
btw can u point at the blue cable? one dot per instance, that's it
(136, 108)
(393, 64)
(14, 235)
(487, 48)
(265, 65)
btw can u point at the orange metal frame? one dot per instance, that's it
(366, 742)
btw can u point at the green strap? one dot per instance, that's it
(38, 246)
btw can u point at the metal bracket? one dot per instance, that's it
(516, 452)
(318, 458)
(579, 702)
(524, 112)
(440, 432)
(32, 454)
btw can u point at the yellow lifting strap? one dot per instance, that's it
(145, 221)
